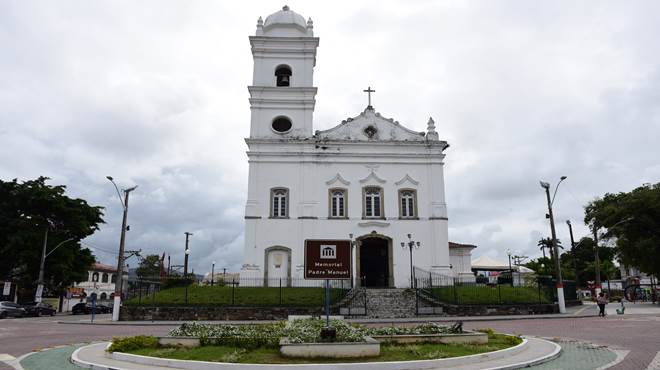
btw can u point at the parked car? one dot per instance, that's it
(85, 308)
(82, 308)
(39, 309)
(102, 308)
(11, 309)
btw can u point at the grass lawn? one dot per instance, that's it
(242, 296)
(481, 294)
(389, 352)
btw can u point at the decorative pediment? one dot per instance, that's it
(338, 178)
(373, 176)
(408, 179)
(370, 126)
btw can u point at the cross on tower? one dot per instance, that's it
(369, 91)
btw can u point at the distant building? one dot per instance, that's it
(100, 280)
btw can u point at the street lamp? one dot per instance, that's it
(44, 255)
(411, 244)
(508, 252)
(350, 236)
(212, 272)
(597, 288)
(187, 251)
(120, 258)
(560, 283)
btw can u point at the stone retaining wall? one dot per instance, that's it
(503, 309)
(173, 313)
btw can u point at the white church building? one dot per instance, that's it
(368, 177)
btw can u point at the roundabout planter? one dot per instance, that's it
(369, 348)
(463, 338)
(395, 365)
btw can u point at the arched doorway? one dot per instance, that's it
(374, 261)
(277, 266)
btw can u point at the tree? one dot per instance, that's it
(633, 220)
(149, 267)
(546, 243)
(584, 256)
(27, 210)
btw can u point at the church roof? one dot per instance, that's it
(285, 16)
(459, 245)
(486, 263)
(372, 126)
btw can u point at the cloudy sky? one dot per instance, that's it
(154, 94)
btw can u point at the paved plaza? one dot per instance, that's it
(587, 341)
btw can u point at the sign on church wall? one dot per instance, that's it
(327, 259)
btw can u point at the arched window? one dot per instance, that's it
(337, 203)
(113, 278)
(104, 278)
(279, 203)
(407, 203)
(283, 75)
(373, 202)
(104, 296)
(95, 276)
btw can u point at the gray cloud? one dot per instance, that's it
(154, 94)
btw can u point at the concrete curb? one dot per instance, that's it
(359, 321)
(401, 365)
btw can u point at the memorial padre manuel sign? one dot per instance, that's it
(327, 259)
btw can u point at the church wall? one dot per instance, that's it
(308, 195)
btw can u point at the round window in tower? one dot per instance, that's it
(281, 125)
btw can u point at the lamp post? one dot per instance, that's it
(120, 258)
(597, 288)
(411, 244)
(350, 236)
(508, 252)
(560, 283)
(187, 252)
(44, 255)
(212, 272)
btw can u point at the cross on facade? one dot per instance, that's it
(369, 91)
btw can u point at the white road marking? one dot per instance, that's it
(655, 363)
(6, 357)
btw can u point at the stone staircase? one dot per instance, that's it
(390, 303)
(379, 303)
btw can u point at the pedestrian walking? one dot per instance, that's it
(602, 301)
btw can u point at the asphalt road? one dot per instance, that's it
(637, 333)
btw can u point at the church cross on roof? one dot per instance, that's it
(369, 91)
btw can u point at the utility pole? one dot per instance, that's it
(508, 252)
(120, 258)
(575, 270)
(40, 283)
(597, 288)
(560, 284)
(187, 252)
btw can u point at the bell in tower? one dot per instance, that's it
(283, 74)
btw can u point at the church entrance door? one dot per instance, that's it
(374, 262)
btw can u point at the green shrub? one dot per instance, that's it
(132, 343)
(246, 336)
(512, 340)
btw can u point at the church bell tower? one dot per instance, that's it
(282, 95)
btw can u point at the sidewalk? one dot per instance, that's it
(587, 310)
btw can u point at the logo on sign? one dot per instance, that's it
(328, 252)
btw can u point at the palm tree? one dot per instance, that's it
(546, 243)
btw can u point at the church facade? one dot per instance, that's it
(369, 178)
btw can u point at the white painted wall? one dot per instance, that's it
(308, 164)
